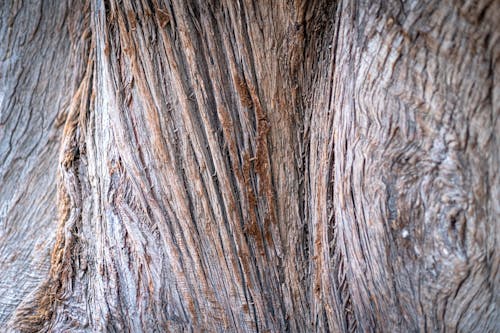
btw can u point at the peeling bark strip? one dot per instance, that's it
(249, 166)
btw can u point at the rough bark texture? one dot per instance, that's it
(249, 166)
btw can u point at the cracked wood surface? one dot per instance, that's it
(249, 166)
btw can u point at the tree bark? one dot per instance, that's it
(249, 166)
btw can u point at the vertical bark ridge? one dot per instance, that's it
(406, 203)
(37, 95)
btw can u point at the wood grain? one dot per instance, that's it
(249, 166)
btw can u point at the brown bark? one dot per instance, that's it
(249, 166)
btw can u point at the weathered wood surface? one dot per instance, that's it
(249, 165)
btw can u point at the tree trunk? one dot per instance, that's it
(249, 166)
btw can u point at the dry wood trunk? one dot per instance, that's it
(249, 165)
